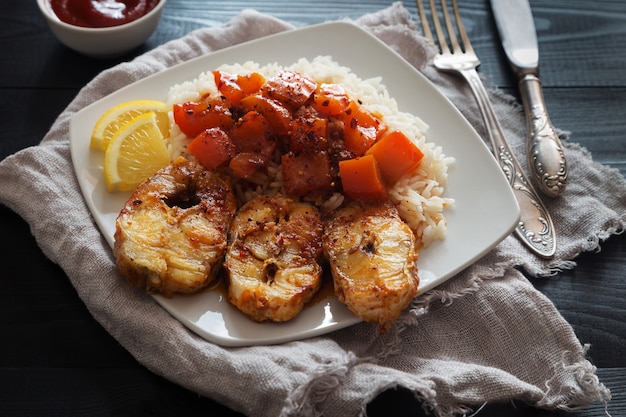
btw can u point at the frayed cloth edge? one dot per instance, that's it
(421, 304)
(590, 389)
(304, 400)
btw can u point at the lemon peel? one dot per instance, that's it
(117, 116)
(136, 152)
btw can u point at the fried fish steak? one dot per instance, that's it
(372, 260)
(273, 258)
(171, 235)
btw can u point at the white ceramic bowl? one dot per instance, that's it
(103, 42)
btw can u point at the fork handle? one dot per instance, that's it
(546, 158)
(535, 227)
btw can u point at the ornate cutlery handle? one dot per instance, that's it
(546, 158)
(535, 227)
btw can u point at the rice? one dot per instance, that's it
(418, 196)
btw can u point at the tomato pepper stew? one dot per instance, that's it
(326, 141)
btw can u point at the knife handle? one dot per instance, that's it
(535, 227)
(546, 158)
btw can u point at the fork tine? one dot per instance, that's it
(454, 46)
(441, 40)
(424, 20)
(449, 26)
(443, 45)
(467, 46)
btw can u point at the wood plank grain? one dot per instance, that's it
(30, 113)
(585, 65)
(591, 298)
(595, 119)
(64, 392)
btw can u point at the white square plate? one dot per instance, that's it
(483, 214)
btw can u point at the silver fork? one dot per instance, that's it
(535, 227)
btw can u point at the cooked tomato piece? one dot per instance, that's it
(331, 100)
(245, 164)
(251, 83)
(235, 86)
(361, 179)
(361, 129)
(396, 155)
(306, 174)
(277, 115)
(212, 148)
(309, 132)
(194, 117)
(290, 87)
(251, 134)
(358, 139)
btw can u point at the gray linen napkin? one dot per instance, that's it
(485, 336)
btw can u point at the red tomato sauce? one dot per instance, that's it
(101, 13)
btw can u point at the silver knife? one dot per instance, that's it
(546, 158)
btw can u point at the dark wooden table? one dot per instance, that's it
(56, 360)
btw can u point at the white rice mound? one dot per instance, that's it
(418, 195)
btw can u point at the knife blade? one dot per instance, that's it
(545, 154)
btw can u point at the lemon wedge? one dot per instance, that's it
(116, 117)
(135, 153)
